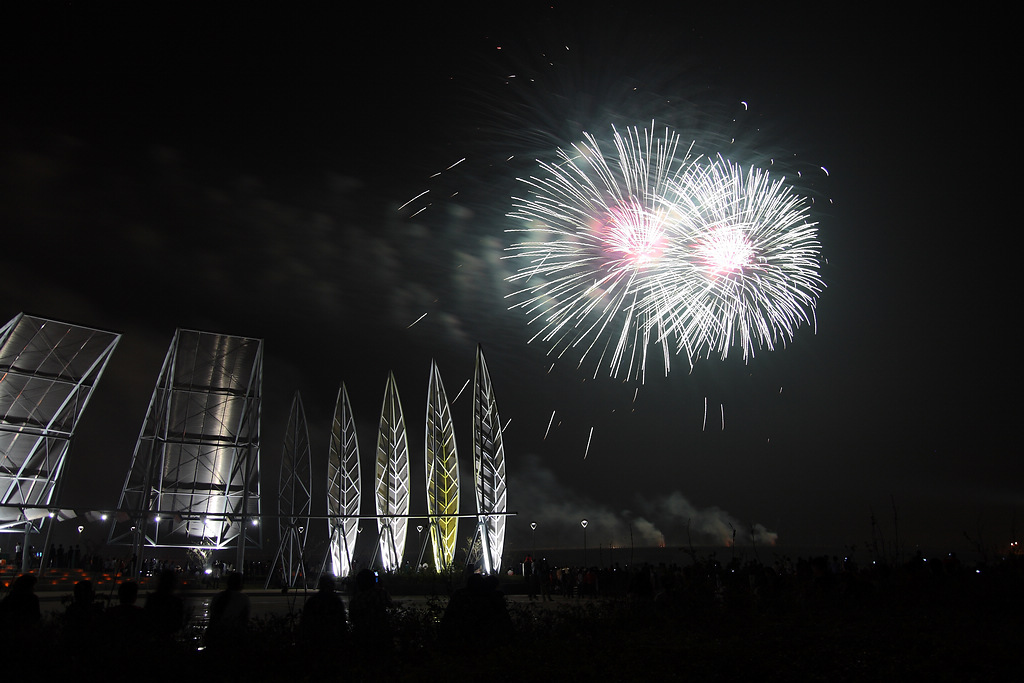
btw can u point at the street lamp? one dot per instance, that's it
(584, 524)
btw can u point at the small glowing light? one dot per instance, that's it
(103, 517)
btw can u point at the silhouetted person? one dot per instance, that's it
(641, 584)
(368, 610)
(324, 623)
(543, 572)
(530, 575)
(164, 610)
(82, 623)
(126, 621)
(125, 630)
(477, 614)
(19, 610)
(229, 614)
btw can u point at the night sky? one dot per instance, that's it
(244, 172)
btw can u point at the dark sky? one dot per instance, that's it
(242, 172)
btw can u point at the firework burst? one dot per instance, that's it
(655, 246)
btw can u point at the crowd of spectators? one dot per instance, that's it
(369, 626)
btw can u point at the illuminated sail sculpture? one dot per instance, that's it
(48, 371)
(194, 477)
(295, 498)
(392, 479)
(442, 470)
(344, 491)
(488, 469)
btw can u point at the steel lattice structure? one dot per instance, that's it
(488, 468)
(48, 371)
(344, 488)
(194, 477)
(442, 473)
(392, 479)
(294, 499)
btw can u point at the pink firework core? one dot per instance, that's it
(633, 232)
(725, 249)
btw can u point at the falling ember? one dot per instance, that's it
(704, 426)
(723, 417)
(585, 454)
(417, 320)
(413, 199)
(549, 425)
(460, 391)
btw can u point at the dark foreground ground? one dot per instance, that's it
(702, 623)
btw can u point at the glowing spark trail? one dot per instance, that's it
(461, 390)
(589, 438)
(413, 199)
(417, 320)
(654, 245)
(549, 425)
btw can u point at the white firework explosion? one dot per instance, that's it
(656, 246)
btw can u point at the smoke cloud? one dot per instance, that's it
(671, 519)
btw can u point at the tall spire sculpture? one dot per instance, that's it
(442, 472)
(488, 469)
(392, 479)
(294, 499)
(344, 492)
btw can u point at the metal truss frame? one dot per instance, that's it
(488, 470)
(442, 474)
(194, 477)
(48, 372)
(294, 499)
(392, 479)
(344, 487)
